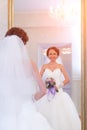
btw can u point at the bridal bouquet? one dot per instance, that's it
(51, 86)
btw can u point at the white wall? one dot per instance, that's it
(3, 17)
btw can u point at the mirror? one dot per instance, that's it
(58, 30)
(52, 31)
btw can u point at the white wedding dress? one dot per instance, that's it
(17, 84)
(60, 110)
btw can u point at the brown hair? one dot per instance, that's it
(53, 48)
(19, 32)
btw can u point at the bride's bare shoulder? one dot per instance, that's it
(60, 66)
(43, 69)
(44, 66)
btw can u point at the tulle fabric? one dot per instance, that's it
(17, 84)
(60, 111)
(14, 61)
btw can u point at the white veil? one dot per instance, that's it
(16, 86)
(14, 61)
(16, 73)
(59, 60)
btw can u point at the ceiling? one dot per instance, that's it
(40, 5)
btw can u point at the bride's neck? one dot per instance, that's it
(52, 63)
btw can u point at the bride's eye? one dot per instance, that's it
(50, 54)
(54, 54)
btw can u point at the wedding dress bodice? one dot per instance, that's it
(56, 74)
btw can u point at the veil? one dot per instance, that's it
(16, 73)
(58, 60)
(16, 85)
(14, 61)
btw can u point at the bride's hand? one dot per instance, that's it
(60, 85)
(38, 95)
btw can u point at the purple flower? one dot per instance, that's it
(51, 85)
(52, 89)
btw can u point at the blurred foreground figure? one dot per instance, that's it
(18, 75)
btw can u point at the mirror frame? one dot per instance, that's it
(84, 64)
(10, 13)
(83, 56)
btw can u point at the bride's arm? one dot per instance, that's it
(42, 70)
(41, 85)
(66, 80)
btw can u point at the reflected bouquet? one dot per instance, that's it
(51, 86)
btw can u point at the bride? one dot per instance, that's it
(18, 75)
(57, 105)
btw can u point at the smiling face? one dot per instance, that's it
(52, 55)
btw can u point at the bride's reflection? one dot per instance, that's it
(57, 105)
